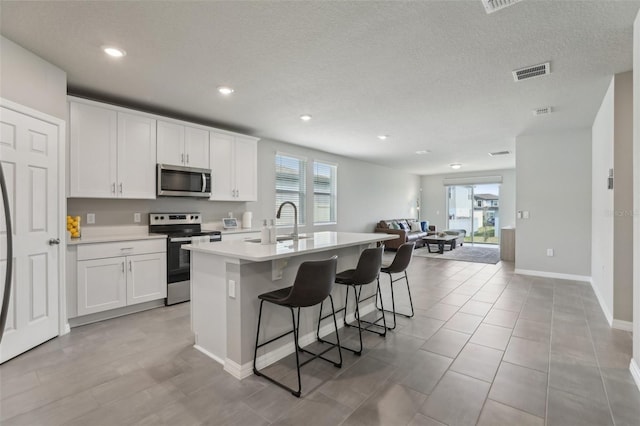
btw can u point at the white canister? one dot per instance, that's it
(246, 219)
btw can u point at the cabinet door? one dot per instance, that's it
(196, 146)
(136, 156)
(146, 277)
(171, 144)
(246, 168)
(222, 186)
(92, 151)
(102, 285)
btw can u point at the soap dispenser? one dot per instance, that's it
(264, 233)
(273, 232)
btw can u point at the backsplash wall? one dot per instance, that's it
(111, 212)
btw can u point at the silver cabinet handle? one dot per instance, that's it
(113, 188)
(237, 193)
(187, 158)
(123, 267)
(130, 267)
(121, 187)
(182, 158)
(54, 241)
(126, 248)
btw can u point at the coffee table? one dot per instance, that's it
(440, 241)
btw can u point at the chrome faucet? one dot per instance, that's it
(295, 218)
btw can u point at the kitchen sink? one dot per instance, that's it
(279, 238)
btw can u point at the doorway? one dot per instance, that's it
(476, 209)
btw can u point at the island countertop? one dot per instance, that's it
(308, 243)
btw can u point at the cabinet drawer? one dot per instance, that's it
(120, 248)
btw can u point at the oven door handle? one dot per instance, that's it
(180, 239)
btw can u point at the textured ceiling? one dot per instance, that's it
(434, 75)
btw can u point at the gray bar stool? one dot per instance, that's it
(366, 272)
(399, 265)
(312, 285)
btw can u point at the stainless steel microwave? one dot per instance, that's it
(178, 181)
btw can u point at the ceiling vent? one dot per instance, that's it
(498, 153)
(532, 71)
(492, 5)
(542, 111)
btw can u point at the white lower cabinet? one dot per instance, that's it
(113, 275)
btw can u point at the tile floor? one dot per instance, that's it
(486, 347)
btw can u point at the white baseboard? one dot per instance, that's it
(557, 275)
(209, 354)
(605, 309)
(245, 370)
(635, 372)
(622, 325)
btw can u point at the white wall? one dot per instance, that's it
(635, 363)
(367, 193)
(434, 196)
(31, 81)
(553, 183)
(602, 203)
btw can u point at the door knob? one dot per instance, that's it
(54, 241)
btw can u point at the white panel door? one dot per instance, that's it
(146, 277)
(29, 158)
(92, 151)
(196, 142)
(171, 144)
(102, 285)
(246, 169)
(136, 156)
(222, 185)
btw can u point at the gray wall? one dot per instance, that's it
(434, 197)
(367, 193)
(623, 198)
(31, 81)
(553, 183)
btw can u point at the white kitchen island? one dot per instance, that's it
(228, 276)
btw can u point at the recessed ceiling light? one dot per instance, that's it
(224, 90)
(305, 117)
(423, 151)
(383, 137)
(455, 165)
(114, 51)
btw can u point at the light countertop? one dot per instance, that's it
(91, 239)
(308, 243)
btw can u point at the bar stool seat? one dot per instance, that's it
(312, 285)
(399, 265)
(366, 272)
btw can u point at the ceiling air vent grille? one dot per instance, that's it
(498, 153)
(492, 5)
(532, 71)
(542, 111)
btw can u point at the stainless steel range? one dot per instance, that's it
(181, 229)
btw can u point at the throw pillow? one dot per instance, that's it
(425, 225)
(394, 225)
(415, 226)
(402, 226)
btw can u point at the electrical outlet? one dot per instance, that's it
(232, 289)
(91, 218)
(136, 217)
(525, 214)
(550, 252)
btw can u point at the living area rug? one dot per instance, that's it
(464, 253)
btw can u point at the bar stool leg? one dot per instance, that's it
(295, 340)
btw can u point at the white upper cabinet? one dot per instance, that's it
(181, 145)
(234, 163)
(112, 154)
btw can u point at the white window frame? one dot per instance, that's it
(333, 194)
(287, 212)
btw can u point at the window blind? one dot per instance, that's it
(324, 193)
(290, 186)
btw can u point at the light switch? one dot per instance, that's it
(136, 217)
(519, 214)
(525, 214)
(232, 289)
(91, 218)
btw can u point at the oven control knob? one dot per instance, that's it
(196, 217)
(162, 217)
(156, 218)
(192, 217)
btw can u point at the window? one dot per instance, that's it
(324, 193)
(290, 186)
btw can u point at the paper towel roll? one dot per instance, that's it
(246, 219)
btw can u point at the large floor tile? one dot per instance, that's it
(492, 336)
(496, 414)
(464, 323)
(501, 317)
(528, 353)
(521, 388)
(457, 400)
(566, 408)
(532, 330)
(478, 361)
(424, 371)
(446, 342)
(441, 311)
(394, 404)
